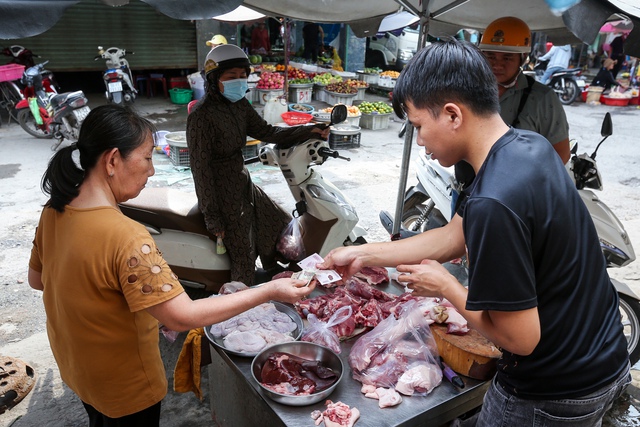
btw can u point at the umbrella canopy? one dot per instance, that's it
(240, 14)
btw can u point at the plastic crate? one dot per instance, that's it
(374, 121)
(179, 155)
(353, 120)
(179, 82)
(11, 72)
(372, 79)
(360, 96)
(251, 149)
(180, 96)
(266, 94)
(319, 94)
(337, 142)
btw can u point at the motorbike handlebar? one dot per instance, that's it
(327, 152)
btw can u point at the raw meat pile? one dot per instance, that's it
(255, 329)
(337, 414)
(370, 306)
(285, 373)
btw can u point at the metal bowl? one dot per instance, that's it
(306, 350)
(218, 341)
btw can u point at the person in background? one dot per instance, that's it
(558, 57)
(105, 286)
(552, 312)
(260, 42)
(617, 53)
(524, 103)
(216, 40)
(313, 36)
(605, 78)
(235, 209)
(245, 37)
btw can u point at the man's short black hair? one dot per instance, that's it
(447, 71)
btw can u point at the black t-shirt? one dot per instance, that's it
(531, 243)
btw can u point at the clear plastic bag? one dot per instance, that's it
(320, 332)
(290, 243)
(397, 347)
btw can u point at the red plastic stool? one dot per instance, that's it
(157, 78)
(190, 105)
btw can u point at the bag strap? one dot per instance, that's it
(525, 95)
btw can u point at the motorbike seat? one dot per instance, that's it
(58, 100)
(165, 208)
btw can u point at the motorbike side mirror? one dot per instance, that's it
(607, 126)
(338, 114)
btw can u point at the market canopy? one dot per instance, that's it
(25, 18)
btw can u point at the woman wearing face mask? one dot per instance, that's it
(235, 209)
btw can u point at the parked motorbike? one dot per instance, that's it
(49, 115)
(23, 56)
(118, 79)
(327, 218)
(566, 83)
(428, 205)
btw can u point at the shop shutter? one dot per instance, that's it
(158, 41)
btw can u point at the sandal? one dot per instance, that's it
(16, 381)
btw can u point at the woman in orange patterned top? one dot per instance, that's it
(105, 284)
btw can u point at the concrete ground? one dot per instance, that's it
(370, 180)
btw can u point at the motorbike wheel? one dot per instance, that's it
(568, 93)
(630, 316)
(28, 123)
(410, 219)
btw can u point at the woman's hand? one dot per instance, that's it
(289, 290)
(427, 279)
(324, 133)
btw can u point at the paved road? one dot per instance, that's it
(370, 180)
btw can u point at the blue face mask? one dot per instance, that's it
(234, 90)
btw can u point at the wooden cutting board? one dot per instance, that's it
(471, 355)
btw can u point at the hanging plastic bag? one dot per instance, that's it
(320, 332)
(35, 110)
(398, 353)
(290, 243)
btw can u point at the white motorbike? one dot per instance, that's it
(117, 78)
(429, 205)
(327, 218)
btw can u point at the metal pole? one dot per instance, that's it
(286, 59)
(408, 136)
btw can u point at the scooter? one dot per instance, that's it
(23, 56)
(565, 82)
(48, 115)
(117, 78)
(327, 218)
(428, 205)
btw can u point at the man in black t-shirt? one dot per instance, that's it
(538, 285)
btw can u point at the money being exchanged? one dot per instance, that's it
(323, 276)
(304, 275)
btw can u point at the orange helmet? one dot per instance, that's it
(508, 34)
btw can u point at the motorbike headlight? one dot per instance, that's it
(321, 193)
(77, 103)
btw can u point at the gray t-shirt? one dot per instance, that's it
(542, 113)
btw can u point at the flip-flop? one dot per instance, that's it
(16, 381)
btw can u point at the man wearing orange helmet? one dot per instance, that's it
(524, 103)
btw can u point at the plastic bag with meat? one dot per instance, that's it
(320, 332)
(395, 346)
(290, 243)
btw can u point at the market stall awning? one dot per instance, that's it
(240, 14)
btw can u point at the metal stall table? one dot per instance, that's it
(237, 400)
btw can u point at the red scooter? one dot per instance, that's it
(23, 56)
(48, 115)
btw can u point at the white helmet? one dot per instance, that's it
(224, 57)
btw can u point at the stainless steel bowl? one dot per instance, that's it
(306, 350)
(218, 341)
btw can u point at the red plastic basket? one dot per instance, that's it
(11, 72)
(293, 118)
(617, 102)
